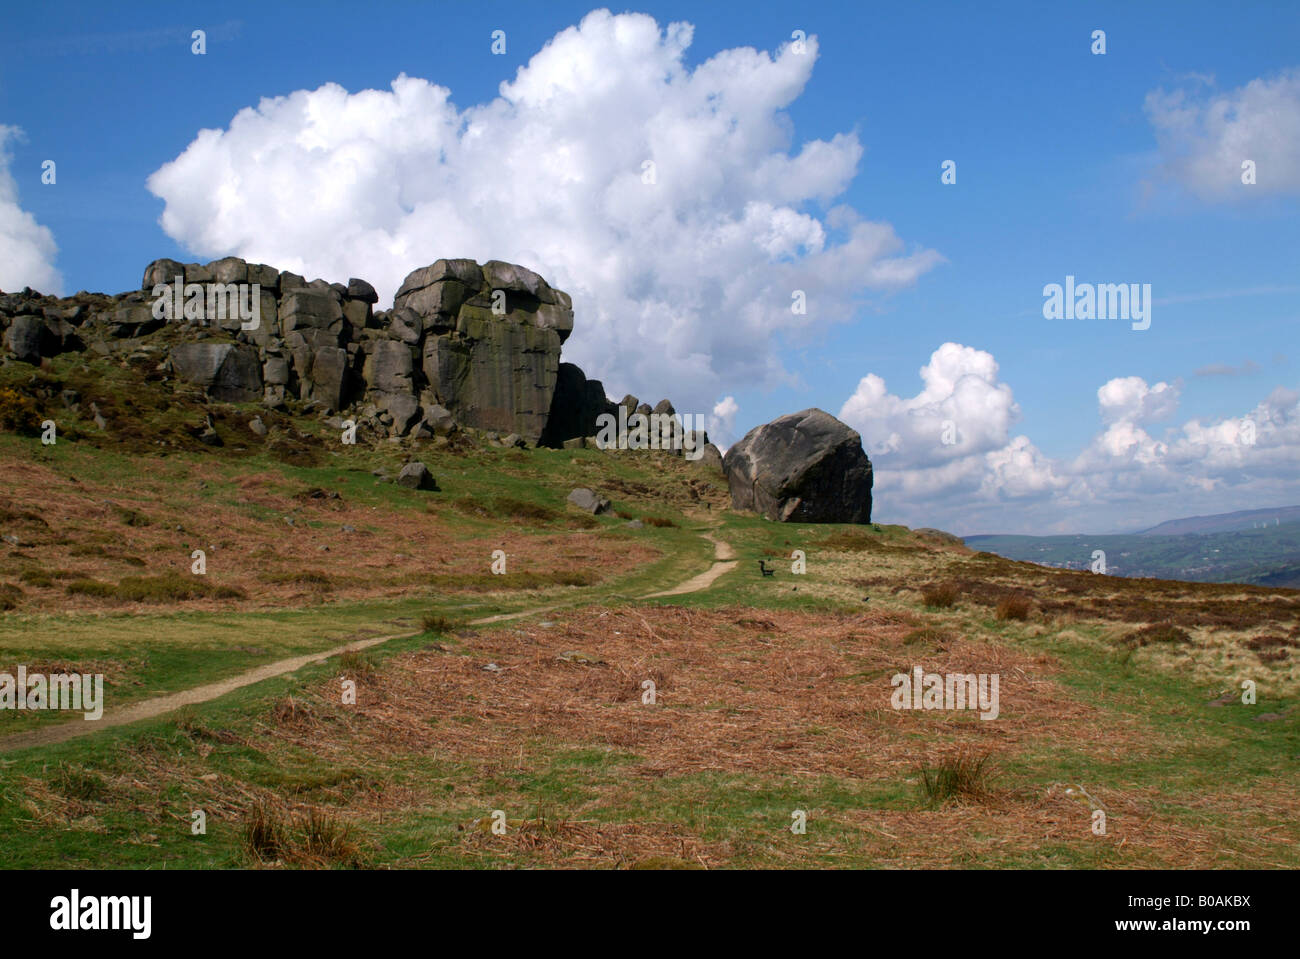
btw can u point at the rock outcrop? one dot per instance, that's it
(464, 347)
(488, 339)
(805, 467)
(228, 371)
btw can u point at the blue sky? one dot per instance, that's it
(1061, 169)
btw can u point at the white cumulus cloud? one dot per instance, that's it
(1130, 399)
(27, 249)
(1204, 135)
(947, 456)
(962, 411)
(722, 422)
(682, 286)
(947, 450)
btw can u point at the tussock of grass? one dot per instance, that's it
(939, 595)
(436, 623)
(356, 665)
(263, 833)
(328, 840)
(21, 517)
(508, 506)
(287, 711)
(79, 784)
(315, 839)
(1163, 633)
(928, 636)
(472, 507)
(130, 517)
(88, 549)
(91, 587)
(665, 862)
(1013, 607)
(514, 510)
(961, 777)
(850, 541)
(43, 577)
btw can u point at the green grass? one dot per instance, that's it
(117, 809)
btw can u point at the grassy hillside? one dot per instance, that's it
(771, 694)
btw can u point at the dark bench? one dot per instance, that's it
(763, 568)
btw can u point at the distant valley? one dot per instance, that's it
(1260, 547)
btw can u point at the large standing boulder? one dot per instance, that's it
(230, 372)
(326, 378)
(389, 375)
(28, 339)
(491, 341)
(806, 467)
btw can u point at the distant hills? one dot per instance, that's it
(1226, 522)
(1261, 547)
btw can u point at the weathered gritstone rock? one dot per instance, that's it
(491, 342)
(416, 476)
(588, 501)
(711, 457)
(228, 371)
(494, 373)
(29, 339)
(805, 467)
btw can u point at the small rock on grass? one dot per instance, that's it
(416, 476)
(586, 500)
